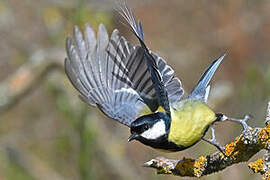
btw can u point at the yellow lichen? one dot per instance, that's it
(266, 176)
(233, 148)
(257, 166)
(198, 165)
(164, 171)
(263, 136)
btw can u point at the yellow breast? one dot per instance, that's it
(189, 122)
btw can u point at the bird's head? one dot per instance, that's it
(151, 128)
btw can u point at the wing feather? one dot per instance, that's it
(136, 73)
(90, 70)
(114, 75)
(160, 73)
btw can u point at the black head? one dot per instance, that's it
(149, 128)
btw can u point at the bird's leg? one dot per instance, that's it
(243, 121)
(214, 142)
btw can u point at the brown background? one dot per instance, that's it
(51, 134)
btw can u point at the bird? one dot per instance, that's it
(136, 87)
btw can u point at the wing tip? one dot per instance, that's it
(128, 15)
(87, 26)
(222, 57)
(101, 27)
(68, 42)
(76, 29)
(201, 90)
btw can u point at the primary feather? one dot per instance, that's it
(89, 68)
(136, 73)
(112, 74)
(157, 80)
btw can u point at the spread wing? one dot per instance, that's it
(134, 71)
(155, 79)
(90, 70)
(117, 77)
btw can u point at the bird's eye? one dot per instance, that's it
(145, 127)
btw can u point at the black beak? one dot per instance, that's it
(132, 137)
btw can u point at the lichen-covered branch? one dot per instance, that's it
(240, 150)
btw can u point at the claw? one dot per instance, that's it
(242, 121)
(214, 142)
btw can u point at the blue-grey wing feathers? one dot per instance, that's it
(172, 84)
(134, 71)
(156, 78)
(117, 77)
(201, 90)
(90, 69)
(128, 15)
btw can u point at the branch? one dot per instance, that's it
(240, 150)
(28, 77)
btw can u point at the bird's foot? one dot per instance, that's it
(243, 121)
(214, 142)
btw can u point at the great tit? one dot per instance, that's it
(136, 87)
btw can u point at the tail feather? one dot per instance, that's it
(201, 90)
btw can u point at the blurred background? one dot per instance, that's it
(46, 132)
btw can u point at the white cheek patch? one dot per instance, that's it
(156, 131)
